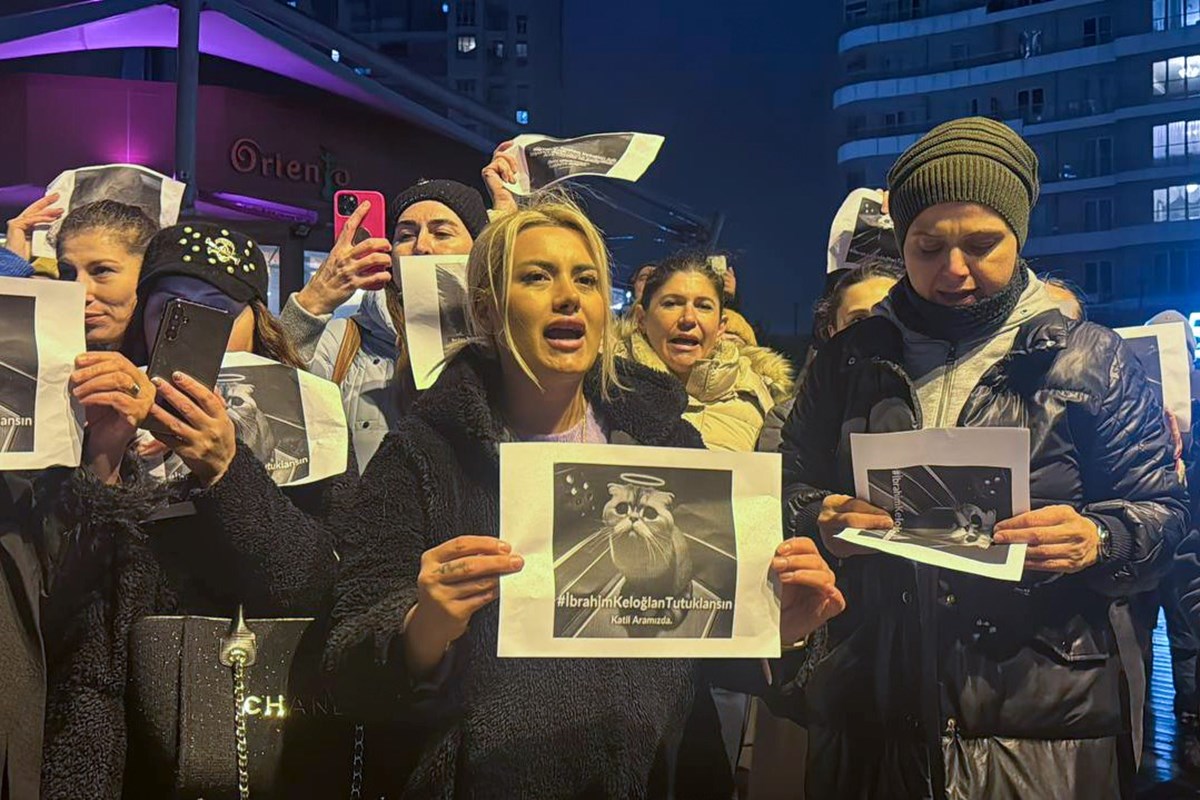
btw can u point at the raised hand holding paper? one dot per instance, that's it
(435, 311)
(544, 161)
(293, 421)
(1162, 350)
(946, 488)
(135, 185)
(41, 333)
(639, 552)
(861, 231)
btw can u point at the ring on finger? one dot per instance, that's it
(134, 389)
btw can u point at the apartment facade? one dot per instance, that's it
(504, 54)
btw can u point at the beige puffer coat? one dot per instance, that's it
(729, 393)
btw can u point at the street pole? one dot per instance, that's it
(187, 93)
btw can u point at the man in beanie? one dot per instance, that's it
(945, 684)
(361, 354)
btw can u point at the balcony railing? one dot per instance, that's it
(1073, 109)
(904, 14)
(1030, 49)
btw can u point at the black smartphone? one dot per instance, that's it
(191, 339)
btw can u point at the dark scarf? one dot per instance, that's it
(958, 323)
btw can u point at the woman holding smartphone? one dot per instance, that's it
(226, 536)
(415, 620)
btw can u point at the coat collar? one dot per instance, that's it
(462, 404)
(878, 338)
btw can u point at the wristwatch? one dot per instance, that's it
(1105, 551)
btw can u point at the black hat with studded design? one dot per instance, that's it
(223, 257)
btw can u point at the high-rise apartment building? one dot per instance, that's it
(504, 54)
(1106, 91)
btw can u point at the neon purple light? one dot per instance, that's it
(258, 207)
(157, 26)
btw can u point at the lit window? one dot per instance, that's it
(335, 55)
(1176, 76)
(522, 49)
(498, 49)
(445, 8)
(1176, 140)
(522, 116)
(467, 44)
(1177, 203)
(1171, 14)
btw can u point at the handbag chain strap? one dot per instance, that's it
(239, 713)
(239, 649)
(356, 767)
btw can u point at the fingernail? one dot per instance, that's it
(516, 562)
(157, 381)
(505, 547)
(785, 548)
(779, 563)
(787, 576)
(177, 376)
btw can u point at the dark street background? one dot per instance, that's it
(742, 92)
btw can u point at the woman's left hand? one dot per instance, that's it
(203, 434)
(810, 596)
(1060, 539)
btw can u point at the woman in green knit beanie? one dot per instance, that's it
(941, 684)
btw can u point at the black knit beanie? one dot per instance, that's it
(969, 160)
(460, 198)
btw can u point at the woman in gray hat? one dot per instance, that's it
(943, 684)
(437, 217)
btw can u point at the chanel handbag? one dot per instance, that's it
(221, 709)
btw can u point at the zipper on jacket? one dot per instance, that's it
(947, 378)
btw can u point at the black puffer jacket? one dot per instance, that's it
(497, 727)
(1019, 688)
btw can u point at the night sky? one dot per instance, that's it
(742, 92)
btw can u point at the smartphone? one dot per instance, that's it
(374, 224)
(191, 339)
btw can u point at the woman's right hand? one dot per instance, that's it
(838, 512)
(500, 170)
(457, 579)
(20, 228)
(351, 265)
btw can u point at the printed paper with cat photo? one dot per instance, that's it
(18, 374)
(291, 420)
(861, 233)
(41, 334)
(643, 553)
(639, 551)
(157, 195)
(1162, 350)
(544, 161)
(265, 406)
(945, 506)
(434, 289)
